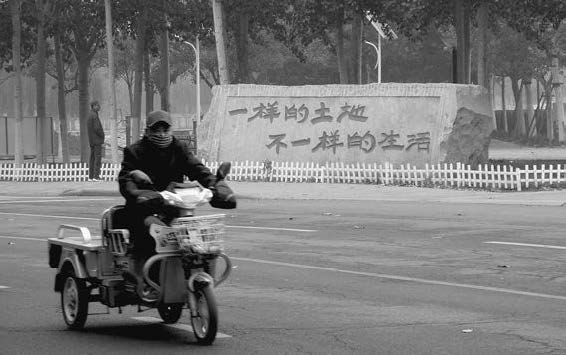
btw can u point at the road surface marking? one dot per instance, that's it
(98, 219)
(185, 327)
(9, 198)
(60, 200)
(528, 245)
(404, 278)
(47, 216)
(3, 287)
(275, 229)
(22, 238)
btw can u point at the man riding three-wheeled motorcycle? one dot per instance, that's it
(152, 252)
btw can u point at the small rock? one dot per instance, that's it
(327, 213)
(359, 227)
(11, 243)
(467, 330)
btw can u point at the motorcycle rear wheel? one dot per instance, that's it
(170, 312)
(205, 324)
(74, 301)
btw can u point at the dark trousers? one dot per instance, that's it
(95, 161)
(140, 218)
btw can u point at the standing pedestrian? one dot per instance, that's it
(96, 140)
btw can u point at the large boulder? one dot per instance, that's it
(375, 123)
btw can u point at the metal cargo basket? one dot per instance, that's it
(196, 235)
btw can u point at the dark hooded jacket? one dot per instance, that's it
(162, 165)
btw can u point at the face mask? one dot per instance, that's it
(160, 140)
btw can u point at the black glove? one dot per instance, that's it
(222, 196)
(151, 201)
(140, 178)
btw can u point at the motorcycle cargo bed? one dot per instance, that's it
(80, 239)
(94, 245)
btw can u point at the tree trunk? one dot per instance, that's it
(242, 48)
(530, 109)
(491, 93)
(18, 101)
(84, 107)
(61, 98)
(357, 37)
(558, 99)
(341, 57)
(42, 130)
(467, 42)
(220, 35)
(463, 33)
(138, 75)
(519, 115)
(114, 118)
(549, 113)
(503, 105)
(164, 66)
(148, 84)
(559, 95)
(130, 96)
(482, 42)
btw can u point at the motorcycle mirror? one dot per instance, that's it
(223, 170)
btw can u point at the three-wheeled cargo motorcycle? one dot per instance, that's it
(103, 269)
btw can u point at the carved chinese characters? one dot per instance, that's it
(330, 140)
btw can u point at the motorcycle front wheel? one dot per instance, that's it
(170, 312)
(205, 323)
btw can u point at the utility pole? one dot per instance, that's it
(219, 34)
(114, 118)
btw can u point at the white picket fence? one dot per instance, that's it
(447, 175)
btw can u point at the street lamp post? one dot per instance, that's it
(378, 62)
(380, 34)
(197, 74)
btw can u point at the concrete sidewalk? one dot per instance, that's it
(307, 191)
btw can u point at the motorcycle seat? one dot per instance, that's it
(114, 217)
(115, 229)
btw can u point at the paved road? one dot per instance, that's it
(322, 276)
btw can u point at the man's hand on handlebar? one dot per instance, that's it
(151, 200)
(222, 196)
